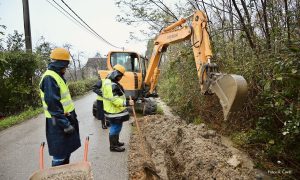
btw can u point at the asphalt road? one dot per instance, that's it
(19, 146)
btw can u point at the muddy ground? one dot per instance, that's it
(176, 150)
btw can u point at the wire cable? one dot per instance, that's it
(168, 9)
(74, 20)
(164, 10)
(90, 27)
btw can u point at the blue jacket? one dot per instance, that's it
(59, 143)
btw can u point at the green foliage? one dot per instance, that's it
(12, 120)
(2, 27)
(21, 73)
(159, 110)
(278, 104)
(240, 138)
(43, 51)
(179, 85)
(15, 42)
(79, 88)
(198, 121)
(17, 81)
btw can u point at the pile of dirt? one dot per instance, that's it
(69, 175)
(177, 150)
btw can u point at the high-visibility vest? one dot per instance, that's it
(100, 98)
(65, 96)
(112, 104)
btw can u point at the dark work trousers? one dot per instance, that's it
(100, 110)
(61, 160)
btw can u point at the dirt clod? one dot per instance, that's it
(233, 161)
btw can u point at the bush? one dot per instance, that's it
(79, 88)
(17, 82)
(179, 87)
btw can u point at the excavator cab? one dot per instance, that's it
(134, 66)
(133, 79)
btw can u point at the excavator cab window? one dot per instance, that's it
(129, 60)
(144, 61)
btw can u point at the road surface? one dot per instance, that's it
(19, 146)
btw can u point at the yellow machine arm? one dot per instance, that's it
(231, 89)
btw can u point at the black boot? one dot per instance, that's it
(119, 143)
(103, 124)
(113, 144)
(107, 123)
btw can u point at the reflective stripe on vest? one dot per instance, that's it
(65, 97)
(112, 104)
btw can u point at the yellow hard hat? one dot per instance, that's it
(120, 68)
(60, 54)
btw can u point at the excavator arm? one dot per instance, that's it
(231, 89)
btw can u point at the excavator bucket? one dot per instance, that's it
(231, 90)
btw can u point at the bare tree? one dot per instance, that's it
(232, 29)
(245, 26)
(69, 47)
(79, 55)
(287, 21)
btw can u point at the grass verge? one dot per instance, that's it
(15, 119)
(159, 110)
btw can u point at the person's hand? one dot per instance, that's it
(69, 130)
(131, 103)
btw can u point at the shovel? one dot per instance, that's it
(148, 167)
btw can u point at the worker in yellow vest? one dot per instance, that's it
(115, 103)
(62, 130)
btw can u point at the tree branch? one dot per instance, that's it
(248, 34)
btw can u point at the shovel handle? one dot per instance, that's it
(86, 149)
(139, 130)
(42, 155)
(134, 115)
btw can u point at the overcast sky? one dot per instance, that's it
(48, 22)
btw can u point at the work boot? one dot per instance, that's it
(119, 143)
(103, 124)
(113, 144)
(107, 123)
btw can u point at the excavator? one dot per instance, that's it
(141, 75)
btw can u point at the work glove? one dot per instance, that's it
(69, 130)
(131, 102)
(128, 103)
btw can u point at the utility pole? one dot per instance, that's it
(27, 26)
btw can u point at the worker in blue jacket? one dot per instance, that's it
(62, 130)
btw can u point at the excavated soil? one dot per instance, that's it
(69, 175)
(173, 149)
